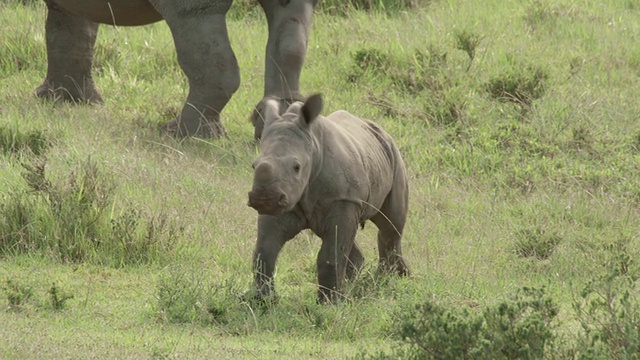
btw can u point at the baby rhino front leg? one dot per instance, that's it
(337, 252)
(273, 233)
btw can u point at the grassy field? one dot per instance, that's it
(519, 122)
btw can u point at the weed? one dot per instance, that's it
(241, 9)
(539, 13)
(467, 42)
(186, 297)
(374, 61)
(582, 139)
(141, 238)
(16, 220)
(608, 308)
(521, 328)
(389, 7)
(369, 283)
(522, 139)
(423, 70)
(520, 85)
(21, 52)
(13, 141)
(57, 298)
(536, 242)
(635, 142)
(518, 328)
(17, 294)
(445, 108)
(387, 106)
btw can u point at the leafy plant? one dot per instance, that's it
(520, 85)
(536, 242)
(521, 328)
(186, 297)
(468, 42)
(608, 308)
(17, 294)
(58, 298)
(518, 328)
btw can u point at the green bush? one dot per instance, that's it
(519, 84)
(58, 298)
(608, 308)
(17, 293)
(518, 328)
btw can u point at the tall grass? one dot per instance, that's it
(77, 220)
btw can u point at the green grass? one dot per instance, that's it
(518, 122)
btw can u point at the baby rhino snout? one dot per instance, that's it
(268, 202)
(265, 197)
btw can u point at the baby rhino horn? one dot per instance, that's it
(264, 172)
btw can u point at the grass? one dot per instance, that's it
(518, 122)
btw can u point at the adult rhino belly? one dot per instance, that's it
(113, 12)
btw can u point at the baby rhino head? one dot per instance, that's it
(282, 170)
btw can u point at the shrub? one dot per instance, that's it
(17, 294)
(519, 84)
(518, 328)
(468, 42)
(58, 298)
(608, 308)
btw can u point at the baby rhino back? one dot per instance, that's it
(372, 157)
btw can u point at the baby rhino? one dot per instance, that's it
(328, 174)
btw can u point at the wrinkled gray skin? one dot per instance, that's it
(328, 174)
(200, 34)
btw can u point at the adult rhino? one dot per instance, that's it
(328, 174)
(202, 44)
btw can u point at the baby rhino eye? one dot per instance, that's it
(296, 168)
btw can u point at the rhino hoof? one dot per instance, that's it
(207, 130)
(254, 297)
(51, 93)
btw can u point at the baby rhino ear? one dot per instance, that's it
(312, 108)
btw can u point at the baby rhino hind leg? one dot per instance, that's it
(390, 222)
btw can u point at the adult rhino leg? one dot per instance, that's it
(356, 261)
(390, 223)
(201, 39)
(338, 236)
(289, 23)
(70, 42)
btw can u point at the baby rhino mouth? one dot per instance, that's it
(268, 202)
